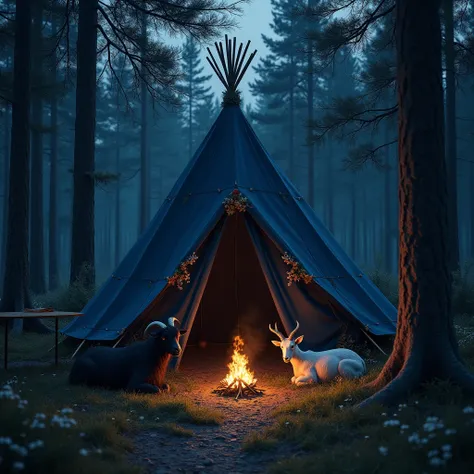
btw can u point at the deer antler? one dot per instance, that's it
(276, 331)
(294, 330)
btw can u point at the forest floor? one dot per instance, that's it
(289, 429)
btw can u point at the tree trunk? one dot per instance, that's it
(190, 111)
(291, 131)
(310, 143)
(53, 177)
(425, 345)
(118, 223)
(82, 243)
(471, 194)
(37, 268)
(144, 168)
(451, 146)
(6, 171)
(329, 190)
(15, 296)
(353, 228)
(388, 231)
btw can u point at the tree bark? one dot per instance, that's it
(37, 266)
(190, 108)
(82, 244)
(451, 145)
(329, 190)
(353, 228)
(6, 171)
(144, 211)
(53, 179)
(118, 222)
(424, 346)
(310, 143)
(388, 231)
(291, 131)
(15, 295)
(471, 194)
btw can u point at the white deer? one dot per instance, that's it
(312, 367)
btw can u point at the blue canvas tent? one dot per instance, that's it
(239, 279)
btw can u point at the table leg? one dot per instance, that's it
(5, 345)
(56, 327)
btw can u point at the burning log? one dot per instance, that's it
(240, 380)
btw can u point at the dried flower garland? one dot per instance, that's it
(236, 202)
(181, 274)
(297, 271)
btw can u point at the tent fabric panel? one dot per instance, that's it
(237, 300)
(285, 223)
(298, 302)
(123, 298)
(183, 304)
(107, 320)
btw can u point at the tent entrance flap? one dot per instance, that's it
(236, 299)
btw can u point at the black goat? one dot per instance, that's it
(140, 367)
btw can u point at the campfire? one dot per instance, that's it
(239, 381)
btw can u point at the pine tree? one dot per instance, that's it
(282, 74)
(196, 93)
(204, 116)
(37, 248)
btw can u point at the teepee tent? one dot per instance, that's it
(222, 248)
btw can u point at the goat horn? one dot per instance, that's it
(276, 331)
(152, 325)
(294, 330)
(171, 321)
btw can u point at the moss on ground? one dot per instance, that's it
(82, 428)
(431, 432)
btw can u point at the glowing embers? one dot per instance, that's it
(239, 381)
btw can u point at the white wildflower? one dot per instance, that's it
(36, 444)
(83, 452)
(383, 450)
(21, 450)
(18, 465)
(391, 423)
(5, 440)
(66, 411)
(468, 409)
(450, 431)
(142, 418)
(436, 462)
(432, 453)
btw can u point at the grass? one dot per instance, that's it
(96, 441)
(327, 436)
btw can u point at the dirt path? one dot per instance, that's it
(215, 449)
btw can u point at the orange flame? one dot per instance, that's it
(238, 368)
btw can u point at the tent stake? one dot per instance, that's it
(78, 349)
(374, 343)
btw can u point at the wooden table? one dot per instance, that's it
(57, 315)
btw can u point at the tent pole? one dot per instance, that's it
(118, 342)
(78, 349)
(235, 275)
(374, 343)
